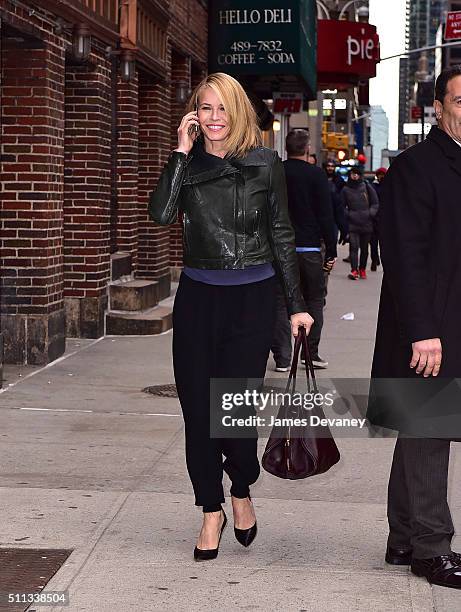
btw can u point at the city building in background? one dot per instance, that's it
(425, 27)
(379, 135)
(404, 100)
(425, 20)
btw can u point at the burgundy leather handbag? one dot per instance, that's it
(302, 451)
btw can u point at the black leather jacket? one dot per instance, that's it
(235, 213)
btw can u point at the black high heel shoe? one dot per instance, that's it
(208, 555)
(246, 536)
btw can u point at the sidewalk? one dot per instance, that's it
(91, 463)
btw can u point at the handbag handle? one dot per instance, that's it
(301, 340)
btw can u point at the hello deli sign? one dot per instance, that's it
(347, 52)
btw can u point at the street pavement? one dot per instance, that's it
(91, 463)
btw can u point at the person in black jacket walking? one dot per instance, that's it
(374, 243)
(361, 204)
(311, 213)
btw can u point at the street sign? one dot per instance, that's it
(287, 103)
(416, 112)
(265, 40)
(415, 128)
(453, 26)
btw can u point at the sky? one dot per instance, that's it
(389, 18)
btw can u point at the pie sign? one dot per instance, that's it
(453, 27)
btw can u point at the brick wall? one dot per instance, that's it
(31, 199)
(154, 148)
(127, 169)
(87, 195)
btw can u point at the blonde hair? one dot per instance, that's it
(244, 132)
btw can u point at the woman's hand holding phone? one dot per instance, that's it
(188, 131)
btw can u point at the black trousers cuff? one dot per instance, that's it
(212, 508)
(240, 491)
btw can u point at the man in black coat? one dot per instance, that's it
(418, 338)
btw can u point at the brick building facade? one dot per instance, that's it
(81, 149)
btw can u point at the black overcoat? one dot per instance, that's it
(419, 226)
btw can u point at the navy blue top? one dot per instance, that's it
(251, 274)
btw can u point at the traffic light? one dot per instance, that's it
(342, 154)
(342, 141)
(337, 141)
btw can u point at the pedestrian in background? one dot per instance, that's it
(419, 337)
(361, 205)
(224, 310)
(311, 213)
(374, 244)
(336, 186)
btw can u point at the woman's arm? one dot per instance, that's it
(164, 199)
(283, 238)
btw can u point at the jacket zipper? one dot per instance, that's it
(185, 228)
(256, 230)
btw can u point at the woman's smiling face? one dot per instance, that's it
(212, 116)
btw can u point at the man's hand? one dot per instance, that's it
(427, 356)
(301, 319)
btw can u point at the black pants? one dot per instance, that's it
(418, 512)
(326, 275)
(281, 342)
(356, 242)
(219, 332)
(374, 248)
(313, 290)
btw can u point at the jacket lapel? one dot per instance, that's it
(208, 175)
(203, 167)
(450, 148)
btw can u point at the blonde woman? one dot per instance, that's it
(231, 192)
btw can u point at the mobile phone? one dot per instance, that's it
(195, 127)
